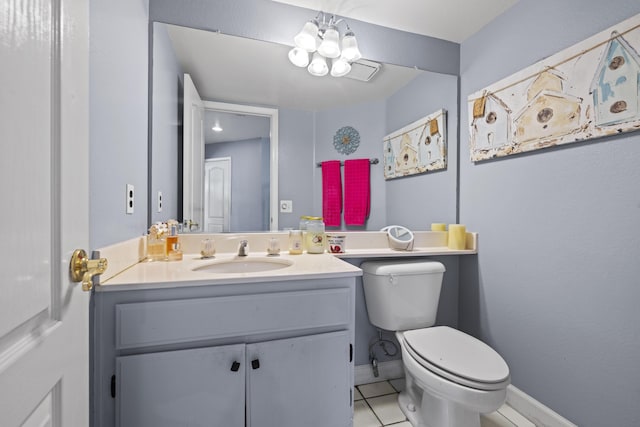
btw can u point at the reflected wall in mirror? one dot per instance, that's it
(237, 70)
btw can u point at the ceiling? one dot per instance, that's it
(453, 20)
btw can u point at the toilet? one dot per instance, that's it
(451, 377)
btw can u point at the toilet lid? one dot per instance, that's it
(457, 355)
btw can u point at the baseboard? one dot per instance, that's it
(386, 371)
(535, 411)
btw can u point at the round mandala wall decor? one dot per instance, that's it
(346, 140)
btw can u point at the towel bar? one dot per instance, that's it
(373, 161)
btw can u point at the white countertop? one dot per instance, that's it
(130, 274)
(162, 274)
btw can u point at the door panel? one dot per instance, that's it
(300, 382)
(217, 191)
(181, 388)
(44, 186)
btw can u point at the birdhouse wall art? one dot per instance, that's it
(416, 148)
(589, 90)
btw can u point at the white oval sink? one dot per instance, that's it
(245, 265)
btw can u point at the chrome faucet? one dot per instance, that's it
(243, 248)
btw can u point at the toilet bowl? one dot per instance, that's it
(451, 377)
(454, 384)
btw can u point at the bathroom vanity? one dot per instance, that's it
(254, 349)
(194, 342)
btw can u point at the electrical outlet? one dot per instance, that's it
(130, 199)
(159, 201)
(286, 206)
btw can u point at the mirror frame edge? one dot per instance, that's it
(272, 114)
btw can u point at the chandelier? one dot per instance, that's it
(319, 42)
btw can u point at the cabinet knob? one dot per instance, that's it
(235, 366)
(255, 363)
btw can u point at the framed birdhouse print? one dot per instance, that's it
(589, 90)
(416, 148)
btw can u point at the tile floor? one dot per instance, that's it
(376, 405)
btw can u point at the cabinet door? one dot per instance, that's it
(302, 381)
(200, 387)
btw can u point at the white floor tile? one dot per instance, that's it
(356, 394)
(363, 416)
(402, 424)
(398, 384)
(387, 409)
(376, 389)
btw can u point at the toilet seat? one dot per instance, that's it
(457, 357)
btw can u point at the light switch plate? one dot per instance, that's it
(130, 198)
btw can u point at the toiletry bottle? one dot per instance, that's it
(295, 242)
(174, 253)
(172, 237)
(156, 246)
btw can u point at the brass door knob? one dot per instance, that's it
(83, 269)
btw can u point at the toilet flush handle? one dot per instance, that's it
(393, 279)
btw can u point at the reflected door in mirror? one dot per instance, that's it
(217, 194)
(193, 140)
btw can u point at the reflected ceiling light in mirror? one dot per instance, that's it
(340, 67)
(321, 37)
(216, 128)
(299, 57)
(318, 66)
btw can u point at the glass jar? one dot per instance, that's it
(315, 235)
(295, 242)
(304, 222)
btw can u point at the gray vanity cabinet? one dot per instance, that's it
(186, 387)
(300, 382)
(288, 382)
(273, 354)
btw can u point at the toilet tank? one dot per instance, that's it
(402, 295)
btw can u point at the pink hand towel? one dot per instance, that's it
(357, 194)
(331, 193)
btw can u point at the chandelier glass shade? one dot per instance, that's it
(319, 41)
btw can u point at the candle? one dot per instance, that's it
(438, 226)
(457, 236)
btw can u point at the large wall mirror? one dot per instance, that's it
(236, 71)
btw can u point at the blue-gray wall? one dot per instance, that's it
(166, 132)
(554, 288)
(118, 79)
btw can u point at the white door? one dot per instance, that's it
(44, 371)
(193, 152)
(217, 194)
